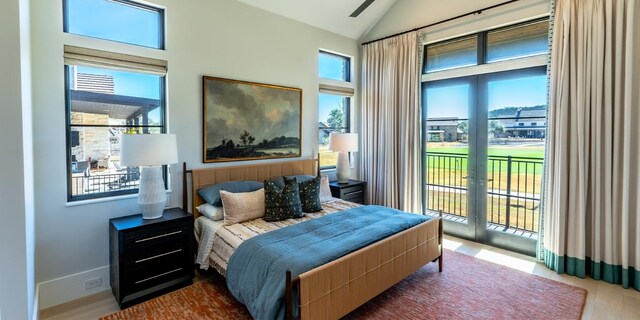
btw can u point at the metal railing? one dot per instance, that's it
(101, 183)
(513, 188)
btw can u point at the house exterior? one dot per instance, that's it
(443, 130)
(528, 123)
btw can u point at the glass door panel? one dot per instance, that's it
(449, 105)
(514, 108)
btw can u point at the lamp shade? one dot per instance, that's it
(347, 142)
(148, 149)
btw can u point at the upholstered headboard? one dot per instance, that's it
(255, 172)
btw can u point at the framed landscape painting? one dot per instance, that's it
(250, 121)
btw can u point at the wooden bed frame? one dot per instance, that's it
(334, 289)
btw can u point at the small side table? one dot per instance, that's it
(150, 257)
(351, 191)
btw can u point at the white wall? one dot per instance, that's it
(222, 38)
(17, 287)
(408, 14)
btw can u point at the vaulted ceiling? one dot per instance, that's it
(331, 15)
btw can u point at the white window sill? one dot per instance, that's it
(105, 199)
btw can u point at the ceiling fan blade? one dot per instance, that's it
(361, 8)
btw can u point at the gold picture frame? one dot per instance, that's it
(245, 120)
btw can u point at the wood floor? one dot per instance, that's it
(604, 301)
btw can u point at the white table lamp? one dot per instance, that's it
(343, 143)
(150, 152)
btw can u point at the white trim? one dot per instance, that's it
(68, 288)
(35, 311)
(336, 90)
(106, 199)
(514, 64)
(337, 83)
(478, 30)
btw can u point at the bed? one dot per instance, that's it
(330, 290)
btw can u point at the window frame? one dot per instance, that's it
(68, 132)
(347, 96)
(346, 68)
(347, 128)
(481, 40)
(142, 6)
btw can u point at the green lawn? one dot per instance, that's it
(525, 178)
(493, 151)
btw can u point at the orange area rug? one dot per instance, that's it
(468, 288)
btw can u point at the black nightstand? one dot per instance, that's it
(351, 191)
(150, 257)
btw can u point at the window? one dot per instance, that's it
(101, 105)
(333, 102)
(451, 54)
(483, 117)
(110, 93)
(334, 117)
(334, 66)
(518, 41)
(118, 20)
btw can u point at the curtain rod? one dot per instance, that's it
(443, 21)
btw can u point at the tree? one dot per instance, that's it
(336, 118)
(244, 137)
(251, 139)
(463, 127)
(495, 127)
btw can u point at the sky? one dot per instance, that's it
(453, 100)
(110, 20)
(114, 21)
(129, 83)
(330, 67)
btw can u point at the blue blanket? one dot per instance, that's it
(256, 270)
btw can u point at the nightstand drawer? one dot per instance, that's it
(152, 244)
(167, 256)
(350, 193)
(149, 273)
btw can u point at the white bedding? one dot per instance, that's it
(216, 242)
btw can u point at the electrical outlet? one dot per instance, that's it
(92, 283)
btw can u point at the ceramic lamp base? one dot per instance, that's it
(342, 167)
(152, 196)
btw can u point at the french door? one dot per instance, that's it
(483, 155)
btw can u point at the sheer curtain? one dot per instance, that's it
(592, 222)
(391, 122)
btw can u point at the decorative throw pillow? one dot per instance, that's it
(310, 195)
(325, 190)
(282, 203)
(211, 194)
(279, 182)
(211, 212)
(243, 206)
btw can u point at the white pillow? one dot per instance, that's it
(210, 211)
(325, 190)
(242, 206)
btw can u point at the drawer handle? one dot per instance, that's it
(158, 256)
(160, 275)
(160, 236)
(353, 192)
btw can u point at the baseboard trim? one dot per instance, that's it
(69, 288)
